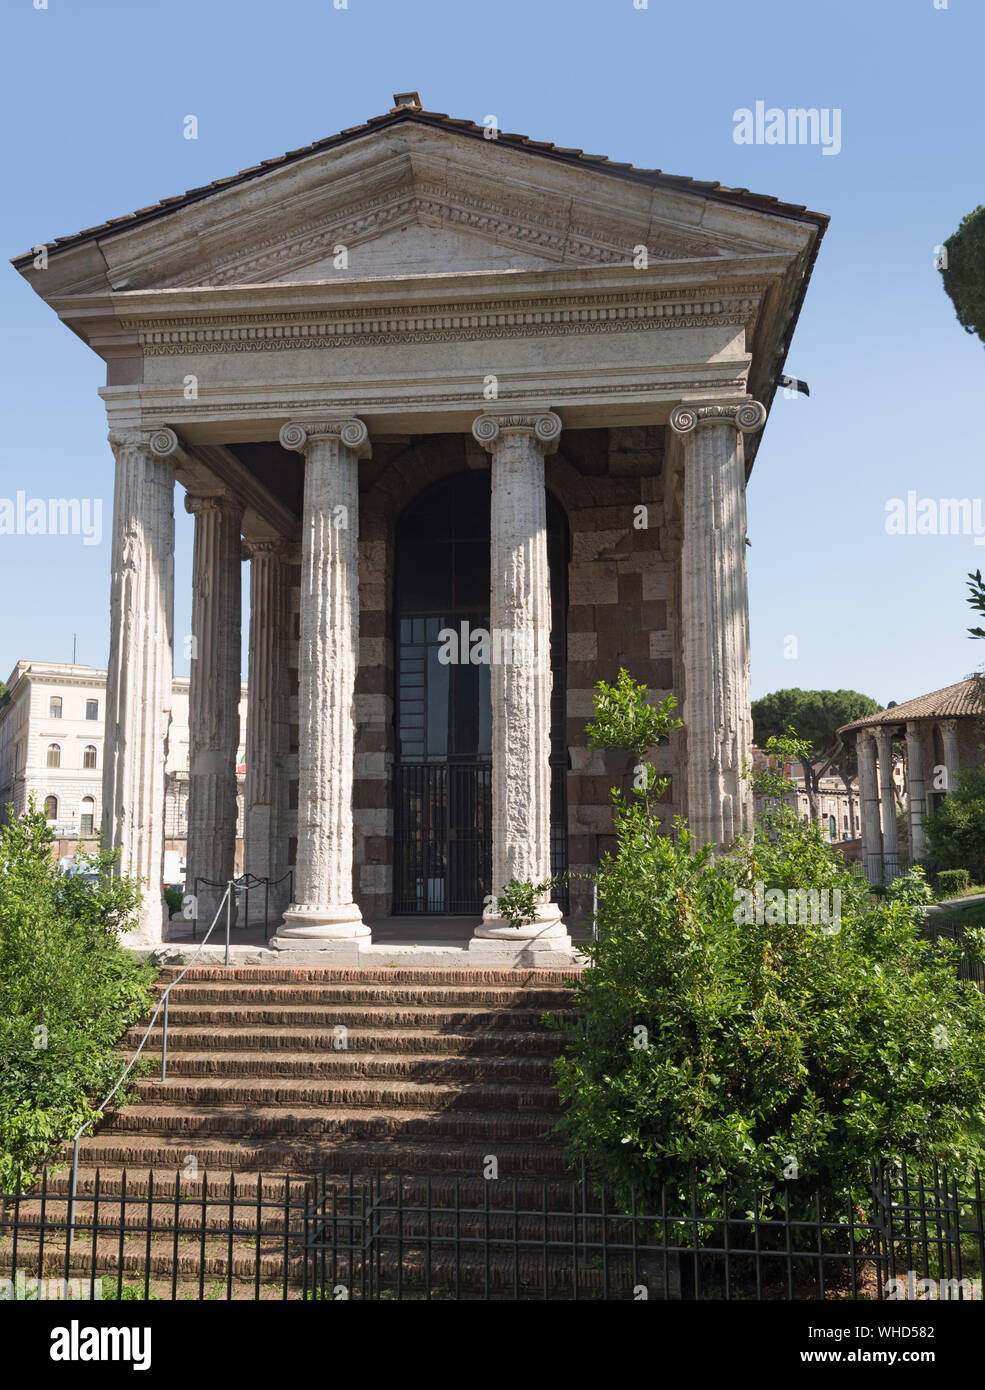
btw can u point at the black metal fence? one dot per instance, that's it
(971, 966)
(372, 1237)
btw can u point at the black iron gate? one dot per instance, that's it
(443, 837)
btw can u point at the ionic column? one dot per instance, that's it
(890, 838)
(213, 696)
(520, 670)
(140, 669)
(265, 846)
(323, 905)
(949, 738)
(916, 795)
(715, 606)
(868, 794)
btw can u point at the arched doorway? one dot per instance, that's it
(443, 716)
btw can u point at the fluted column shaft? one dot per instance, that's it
(949, 739)
(715, 607)
(213, 695)
(916, 792)
(140, 669)
(265, 845)
(323, 905)
(887, 796)
(520, 671)
(868, 791)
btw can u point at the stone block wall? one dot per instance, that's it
(622, 612)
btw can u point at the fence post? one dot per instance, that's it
(229, 914)
(73, 1185)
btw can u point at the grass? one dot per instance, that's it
(971, 891)
(971, 916)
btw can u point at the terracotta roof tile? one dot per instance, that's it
(952, 702)
(438, 119)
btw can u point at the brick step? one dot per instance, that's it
(280, 1038)
(134, 1258)
(509, 1271)
(133, 1215)
(524, 1071)
(317, 1121)
(356, 1015)
(429, 1095)
(301, 1156)
(213, 1217)
(218, 1186)
(272, 974)
(134, 1182)
(439, 996)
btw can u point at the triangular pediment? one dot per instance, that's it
(421, 214)
(412, 200)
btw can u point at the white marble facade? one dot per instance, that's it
(408, 281)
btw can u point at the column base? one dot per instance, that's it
(544, 953)
(547, 925)
(151, 930)
(332, 922)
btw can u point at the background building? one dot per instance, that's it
(922, 743)
(51, 747)
(839, 807)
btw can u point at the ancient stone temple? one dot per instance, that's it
(479, 413)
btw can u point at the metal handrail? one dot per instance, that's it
(226, 899)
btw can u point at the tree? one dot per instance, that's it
(725, 1035)
(962, 269)
(976, 598)
(68, 990)
(815, 716)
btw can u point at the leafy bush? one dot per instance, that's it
(956, 832)
(174, 899)
(68, 990)
(951, 882)
(518, 902)
(731, 1032)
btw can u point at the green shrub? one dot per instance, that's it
(174, 900)
(956, 832)
(951, 882)
(68, 990)
(723, 1038)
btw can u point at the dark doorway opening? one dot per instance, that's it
(443, 766)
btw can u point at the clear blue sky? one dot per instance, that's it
(94, 97)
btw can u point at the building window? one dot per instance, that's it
(55, 707)
(89, 755)
(87, 816)
(844, 822)
(54, 755)
(51, 807)
(92, 709)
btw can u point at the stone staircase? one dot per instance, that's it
(277, 1076)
